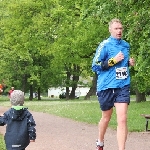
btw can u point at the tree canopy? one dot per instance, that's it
(51, 43)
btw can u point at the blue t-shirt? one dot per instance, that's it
(116, 76)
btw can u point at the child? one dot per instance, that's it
(20, 129)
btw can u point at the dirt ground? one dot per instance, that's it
(55, 133)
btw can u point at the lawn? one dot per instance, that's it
(87, 111)
(2, 143)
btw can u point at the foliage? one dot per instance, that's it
(26, 43)
(40, 41)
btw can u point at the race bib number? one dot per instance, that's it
(121, 73)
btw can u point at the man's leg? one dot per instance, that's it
(103, 124)
(122, 131)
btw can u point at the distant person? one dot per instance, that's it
(10, 91)
(1, 88)
(20, 130)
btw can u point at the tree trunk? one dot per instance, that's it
(140, 97)
(31, 93)
(67, 84)
(75, 80)
(39, 94)
(92, 90)
(24, 81)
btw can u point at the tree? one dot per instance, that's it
(52, 43)
(24, 43)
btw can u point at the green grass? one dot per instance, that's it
(2, 143)
(86, 111)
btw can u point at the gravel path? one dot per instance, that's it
(55, 133)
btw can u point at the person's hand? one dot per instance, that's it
(32, 140)
(131, 62)
(119, 57)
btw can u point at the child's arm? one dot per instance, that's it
(31, 128)
(32, 140)
(3, 119)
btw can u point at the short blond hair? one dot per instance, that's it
(114, 20)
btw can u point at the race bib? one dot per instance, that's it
(121, 73)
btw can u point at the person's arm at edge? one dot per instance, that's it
(131, 62)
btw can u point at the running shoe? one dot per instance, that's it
(98, 147)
